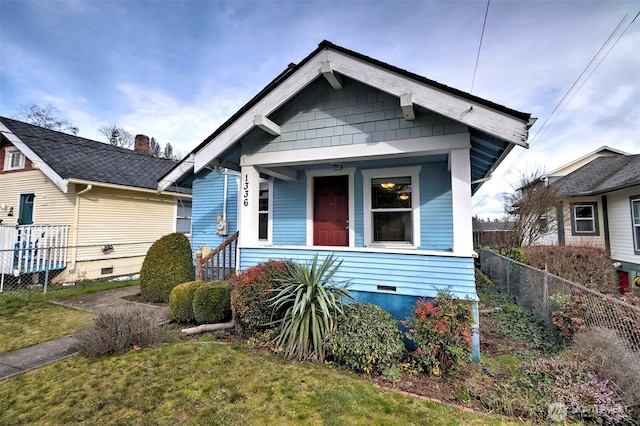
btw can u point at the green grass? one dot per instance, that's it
(28, 319)
(199, 382)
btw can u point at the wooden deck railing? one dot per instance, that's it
(219, 264)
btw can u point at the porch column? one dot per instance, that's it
(248, 199)
(460, 160)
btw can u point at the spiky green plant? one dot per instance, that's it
(311, 302)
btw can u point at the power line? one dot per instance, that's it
(559, 106)
(484, 24)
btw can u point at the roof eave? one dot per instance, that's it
(58, 180)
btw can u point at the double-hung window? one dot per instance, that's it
(392, 207)
(635, 222)
(183, 217)
(584, 218)
(13, 159)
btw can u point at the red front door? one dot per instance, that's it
(331, 211)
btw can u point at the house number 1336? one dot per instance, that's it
(245, 190)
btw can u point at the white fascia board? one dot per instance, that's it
(35, 158)
(472, 114)
(184, 167)
(126, 188)
(465, 111)
(370, 150)
(265, 106)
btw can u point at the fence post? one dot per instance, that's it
(545, 295)
(506, 275)
(46, 269)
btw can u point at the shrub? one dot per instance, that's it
(570, 320)
(212, 302)
(252, 288)
(311, 302)
(584, 394)
(441, 330)
(181, 301)
(119, 330)
(589, 266)
(366, 338)
(514, 253)
(167, 264)
(610, 356)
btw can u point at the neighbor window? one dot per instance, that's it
(183, 217)
(584, 219)
(13, 159)
(264, 210)
(635, 222)
(392, 206)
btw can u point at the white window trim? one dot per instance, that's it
(592, 220)
(175, 217)
(269, 239)
(9, 152)
(634, 226)
(414, 173)
(311, 174)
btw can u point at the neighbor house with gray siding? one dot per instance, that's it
(346, 155)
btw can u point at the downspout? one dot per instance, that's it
(224, 197)
(76, 219)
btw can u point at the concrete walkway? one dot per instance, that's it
(31, 357)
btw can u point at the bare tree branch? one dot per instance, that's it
(46, 117)
(116, 135)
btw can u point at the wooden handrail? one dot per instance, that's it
(219, 264)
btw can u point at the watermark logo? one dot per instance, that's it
(557, 412)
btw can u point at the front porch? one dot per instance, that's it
(26, 249)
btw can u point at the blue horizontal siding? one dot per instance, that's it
(290, 211)
(411, 274)
(436, 211)
(208, 196)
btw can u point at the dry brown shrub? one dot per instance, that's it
(612, 358)
(590, 266)
(119, 330)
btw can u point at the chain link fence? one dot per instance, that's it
(33, 269)
(543, 293)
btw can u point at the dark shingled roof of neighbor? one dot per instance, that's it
(73, 157)
(604, 174)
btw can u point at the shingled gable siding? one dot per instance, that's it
(208, 195)
(321, 116)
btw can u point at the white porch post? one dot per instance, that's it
(248, 199)
(460, 160)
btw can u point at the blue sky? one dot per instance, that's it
(176, 70)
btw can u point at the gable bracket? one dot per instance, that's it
(406, 103)
(334, 80)
(267, 125)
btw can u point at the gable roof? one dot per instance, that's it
(66, 158)
(604, 174)
(494, 128)
(571, 166)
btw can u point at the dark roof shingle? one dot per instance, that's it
(604, 174)
(73, 157)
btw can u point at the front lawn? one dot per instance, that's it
(203, 382)
(25, 322)
(28, 319)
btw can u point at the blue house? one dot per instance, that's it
(346, 155)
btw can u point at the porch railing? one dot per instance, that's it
(219, 264)
(32, 248)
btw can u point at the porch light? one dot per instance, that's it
(388, 185)
(404, 196)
